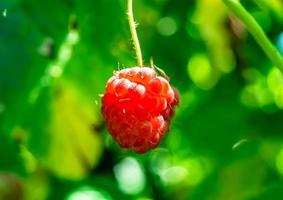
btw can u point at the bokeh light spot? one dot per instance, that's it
(173, 175)
(274, 79)
(196, 172)
(248, 97)
(201, 72)
(73, 37)
(2, 107)
(167, 26)
(275, 85)
(64, 54)
(278, 98)
(191, 171)
(130, 176)
(4, 13)
(55, 71)
(280, 43)
(279, 161)
(89, 193)
(30, 161)
(258, 92)
(251, 75)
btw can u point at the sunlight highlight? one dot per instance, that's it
(130, 176)
(89, 193)
(4, 13)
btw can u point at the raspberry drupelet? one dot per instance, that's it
(138, 106)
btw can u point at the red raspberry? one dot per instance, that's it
(138, 106)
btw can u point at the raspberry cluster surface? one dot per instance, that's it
(138, 106)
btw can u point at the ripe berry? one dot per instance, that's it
(138, 106)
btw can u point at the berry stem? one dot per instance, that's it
(254, 28)
(134, 35)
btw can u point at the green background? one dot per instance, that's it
(225, 141)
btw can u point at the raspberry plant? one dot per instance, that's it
(138, 105)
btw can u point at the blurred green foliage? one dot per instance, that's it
(225, 142)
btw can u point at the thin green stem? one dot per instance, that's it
(256, 31)
(134, 34)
